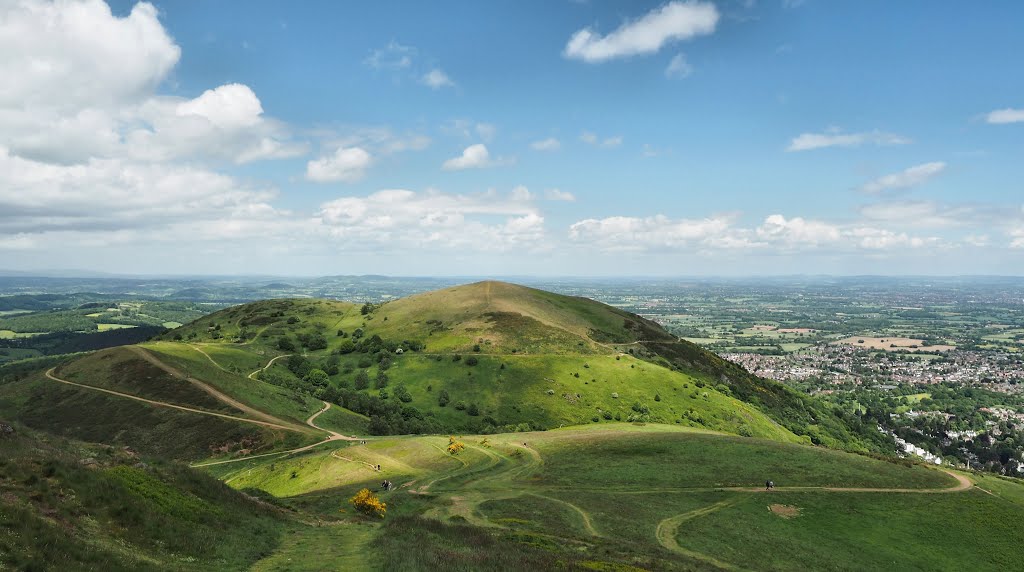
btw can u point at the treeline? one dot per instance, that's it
(72, 342)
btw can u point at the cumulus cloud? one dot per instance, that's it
(396, 219)
(473, 157)
(346, 164)
(436, 79)
(836, 138)
(86, 89)
(78, 54)
(797, 231)
(678, 67)
(776, 234)
(673, 22)
(521, 193)
(549, 144)
(1017, 238)
(113, 194)
(905, 179)
(1008, 115)
(559, 195)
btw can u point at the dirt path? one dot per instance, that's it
(252, 375)
(217, 394)
(668, 529)
(50, 374)
(214, 362)
(249, 457)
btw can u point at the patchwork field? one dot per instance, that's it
(893, 344)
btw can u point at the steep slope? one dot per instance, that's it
(71, 506)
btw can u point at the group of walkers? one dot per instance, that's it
(387, 485)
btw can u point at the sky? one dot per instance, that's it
(546, 137)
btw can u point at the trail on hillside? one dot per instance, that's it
(209, 357)
(668, 529)
(50, 375)
(216, 393)
(252, 375)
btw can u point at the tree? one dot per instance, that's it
(286, 345)
(317, 377)
(471, 360)
(369, 504)
(362, 380)
(382, 380)
(402, 394)
(473, 409)
(442, 398)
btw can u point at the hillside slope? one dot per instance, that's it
(488, 357)
(70, 506)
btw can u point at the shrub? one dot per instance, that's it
(471, 360)
(460, 405)
(286, 345)
(293, 320)
(476, 348)
(607, 415)
(368, 503)
(402, 394)
(443, 398)
(362, 380)
(657, 397)
(455, 447)
(473, 410)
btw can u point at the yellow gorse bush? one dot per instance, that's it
(367, 503)
(455, 447)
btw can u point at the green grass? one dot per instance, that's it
(863, 532)
(58, 513)
(681, 460)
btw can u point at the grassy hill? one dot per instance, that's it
(525, 358)
(485, 357)
(74, 506)
(660, 466)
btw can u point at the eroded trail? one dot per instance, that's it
(216, 393)
(253, 375)
(50, 375)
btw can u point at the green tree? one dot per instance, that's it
(442, 398)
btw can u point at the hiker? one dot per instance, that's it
(769, 485)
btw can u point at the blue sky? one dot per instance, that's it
(582, 138)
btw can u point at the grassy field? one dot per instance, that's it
(650, 497)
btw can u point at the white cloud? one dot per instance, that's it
(905, 179)
(521, 193)
(347, 164)
(397, 219)
(797, 231)
(376, 140)
(559, 195)
(228, 106)
(436, 79)
(835, 138)
(592, 139)
(473, 157)
(111, 194)
(549, 144)
(678, 68)
(1017, 236)
(672, 22)
(775, 235)
(77, 52)
(1008, 115)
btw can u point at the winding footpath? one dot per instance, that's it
(263, 419)
(667, 532)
